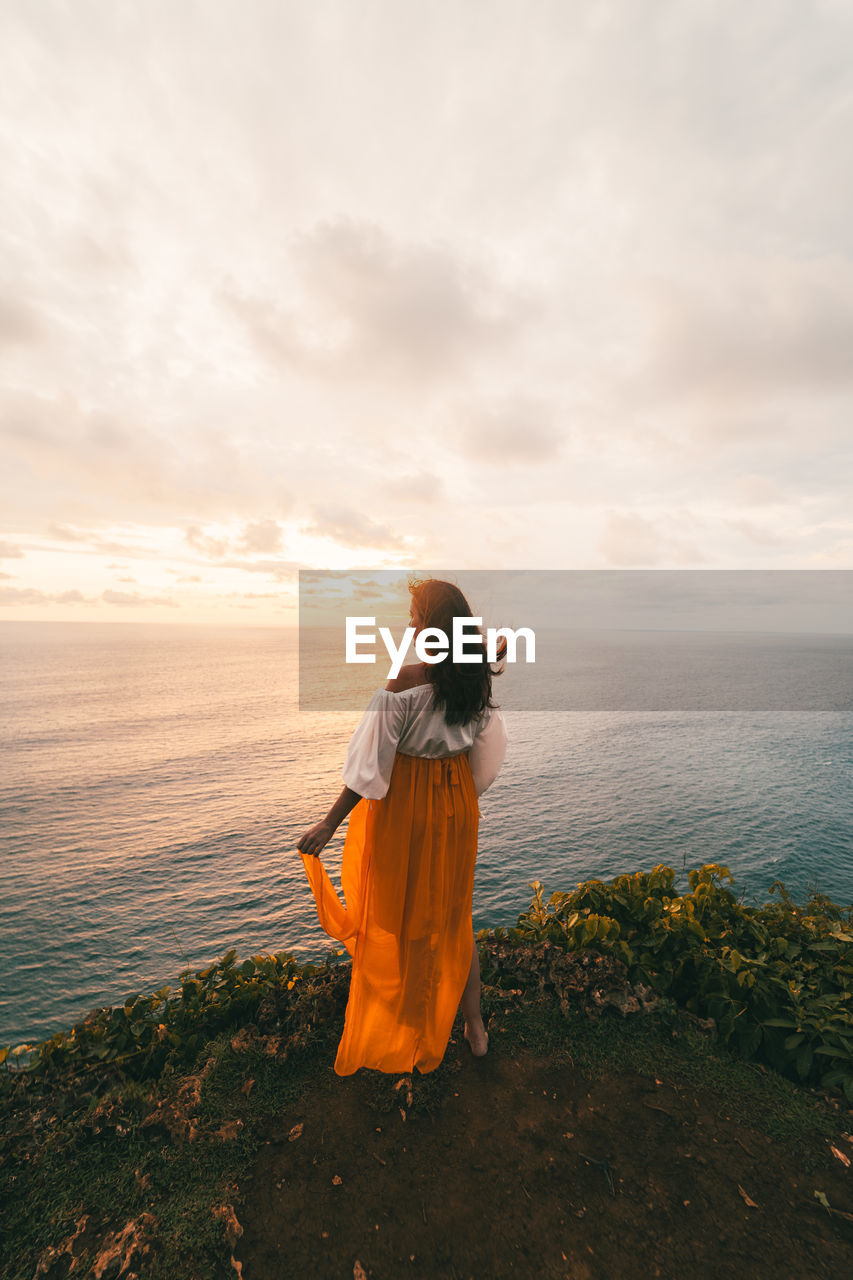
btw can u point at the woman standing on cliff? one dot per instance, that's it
(428, 744)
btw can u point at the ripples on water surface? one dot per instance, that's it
(155, 780)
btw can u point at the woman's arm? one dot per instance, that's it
(318, 836)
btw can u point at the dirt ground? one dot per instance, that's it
(521, 1167)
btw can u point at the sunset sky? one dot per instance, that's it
(495, 285)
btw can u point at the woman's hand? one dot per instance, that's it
(316, 838)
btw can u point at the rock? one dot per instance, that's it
(167, 1119)
(54, 1254)
(624, 1001)
(104, 1116)
(225, 1213)
(275, 1047)
(178, 1118)
(245, 1038)
(131, 1245)
(189, 1094)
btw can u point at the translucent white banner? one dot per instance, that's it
(632, 640)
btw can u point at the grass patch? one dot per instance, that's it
(664, 1044)
(72, 1170)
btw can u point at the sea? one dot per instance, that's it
(155, 780)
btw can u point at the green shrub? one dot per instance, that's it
(776, 979)
(147, 1033)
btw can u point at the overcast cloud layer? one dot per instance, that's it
(502, 285)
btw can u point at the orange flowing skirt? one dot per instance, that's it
(408, 877)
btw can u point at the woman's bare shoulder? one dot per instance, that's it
(409, 678)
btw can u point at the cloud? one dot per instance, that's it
(23, 595)
(127, 598)
(330, 584)
(30, 595)
(251, 595)
(19, 322)
(95, 254)
(257, 535)
(59, 444)
(511, 431)
(262, 535)
(350, 528)
(109, 545)
(279, 569)
(54, 445)
(66, 533)
(375, 307)
(9, 551)
(364, 591)
(630, 539)
(760, 535)
(756, 490)
(421, 486)
(755, 329)
(207, 545)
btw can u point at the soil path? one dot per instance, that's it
(509, 1174)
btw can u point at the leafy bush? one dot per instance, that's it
(776, 979)
(143, 1036)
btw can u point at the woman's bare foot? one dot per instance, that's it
(478, 1039)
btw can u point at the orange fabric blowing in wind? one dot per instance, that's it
(407, 875)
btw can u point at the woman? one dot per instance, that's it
(428, 744)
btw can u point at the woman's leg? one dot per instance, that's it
(475, 1031)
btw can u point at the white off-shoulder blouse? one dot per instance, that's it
(409, 722)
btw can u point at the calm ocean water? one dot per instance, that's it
(155, 780)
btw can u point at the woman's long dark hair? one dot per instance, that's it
(462, 689)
